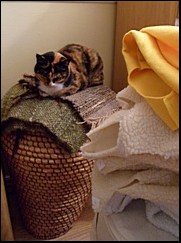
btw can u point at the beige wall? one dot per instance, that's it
(30, 27)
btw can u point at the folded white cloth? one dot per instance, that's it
(128, 97)
(158, 186)
(136, 157)
(137, 130)
(136, 162)
(118, 202)
(154, 213)
(129, 225)
(161, 219)
(114, 191)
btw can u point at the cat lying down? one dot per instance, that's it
(72, 68)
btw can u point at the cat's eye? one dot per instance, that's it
(60, 68)
(63, 68)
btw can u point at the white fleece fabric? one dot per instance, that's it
(132, 131)
(157, 187)
(136, 162)
(136, 157)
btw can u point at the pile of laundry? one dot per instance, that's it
(136, 150)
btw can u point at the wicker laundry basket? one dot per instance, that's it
(52, 185)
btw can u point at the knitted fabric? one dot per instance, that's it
(66, 120)
(30, 113)
(94, 104)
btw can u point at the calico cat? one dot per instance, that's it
(72, 68)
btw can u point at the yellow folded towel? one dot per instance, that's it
(152, 59)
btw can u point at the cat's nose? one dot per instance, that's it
(51, 83)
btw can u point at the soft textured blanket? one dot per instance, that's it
(94, 104)
(106, 164)
(159, 188)
(25, 111)
(130, 225)
(133, 131)
(67, 119)
(152, 59)
(160, 219)
(136, 156)
(136, 162)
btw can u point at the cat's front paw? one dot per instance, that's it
(27, 80)
(59, 93)
(24, 83)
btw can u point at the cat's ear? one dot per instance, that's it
(65, 61)
(40, 58)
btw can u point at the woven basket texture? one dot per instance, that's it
(52, 185)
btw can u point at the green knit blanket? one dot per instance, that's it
(66, 119)
(25, 110)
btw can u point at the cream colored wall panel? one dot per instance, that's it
(30, 27)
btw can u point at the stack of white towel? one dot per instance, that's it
(136, 157)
